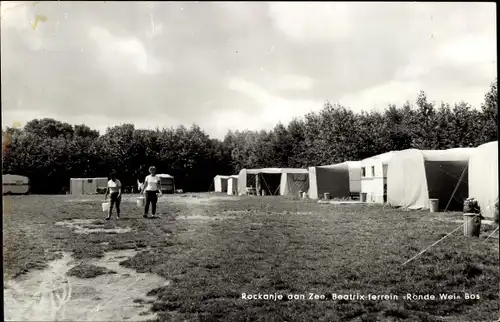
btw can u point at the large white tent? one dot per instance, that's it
(87, 186)
(220, 183)
(249, 178)
(274, 181)
(374, 178)
(294, 181)
(483, 177)
(415, 176)
(15, 184)
(339, 180)
(232, 185)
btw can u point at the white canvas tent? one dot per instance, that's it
(340, 180)
(483, 177)
(293, 181)
(87, 186)
(374, 178)
(270, 180)
(415, 176)
(232, 185)
(220, 183)
(167, 183)
(15, 184)
(252, 178)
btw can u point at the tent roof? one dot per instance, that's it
(164, 175)
(348, 164)
(276, 170)
(256, 171)
(222, 176)
(489, 145)
(292, 170)
(89, 178)
(384, 157)
(13, 177)
(457, 154)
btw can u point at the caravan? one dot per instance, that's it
(374, 178)
(167, 183)
(15, 184)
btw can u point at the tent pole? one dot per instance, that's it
(264, 180)
(456, 187)
(275, 192)
(301, 185)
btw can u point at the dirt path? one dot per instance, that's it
(51, 295)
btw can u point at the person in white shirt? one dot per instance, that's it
(115, 195)
(152, 187)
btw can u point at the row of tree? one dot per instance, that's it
(50, 152)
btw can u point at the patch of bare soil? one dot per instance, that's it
(198, 199)
(80, 200)
(341, 202)
(88, 226)
(204, 217)
(52, 295)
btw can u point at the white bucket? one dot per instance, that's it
(434, 205)
(105, 206)
(140, 202)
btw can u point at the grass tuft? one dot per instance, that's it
(88, 271)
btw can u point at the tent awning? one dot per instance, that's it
(276, 170)
(222, 177)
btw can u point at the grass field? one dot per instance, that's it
(207, 249)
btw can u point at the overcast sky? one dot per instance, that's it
(236, 65)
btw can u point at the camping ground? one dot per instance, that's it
(205, 250)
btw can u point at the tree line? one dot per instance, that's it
(51, 152)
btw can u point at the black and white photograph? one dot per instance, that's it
(250, 161)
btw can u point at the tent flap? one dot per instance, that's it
(340, 180)
(415, 176)
(483, 177)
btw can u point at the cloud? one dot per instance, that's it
(274, 108)
(469, 49)
(117, 51)
(315, 20)
(379, 97)
(297, 82)
(156, 29)
(16, 14)
(399, 92)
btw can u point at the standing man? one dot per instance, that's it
(152, 187)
